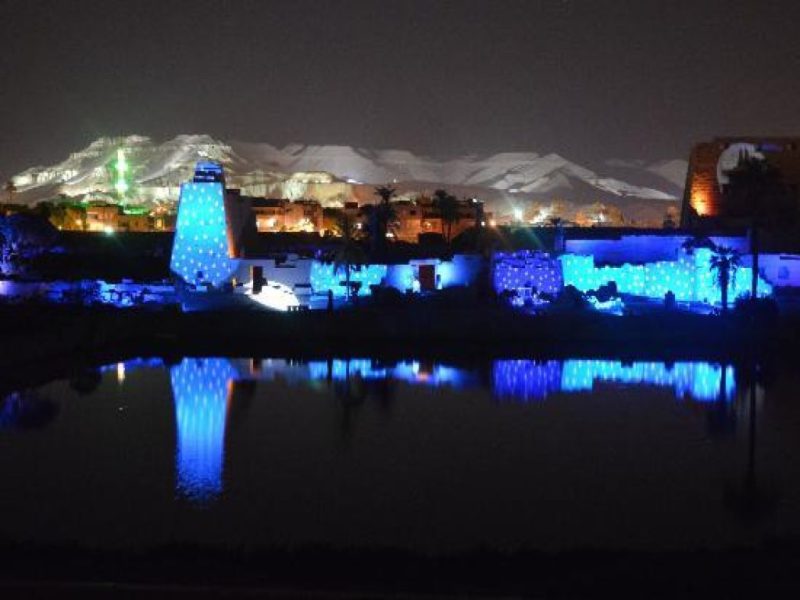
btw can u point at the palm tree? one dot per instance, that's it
(385, 193)
(724, 264)
(558, 240)
(698, 241)
(447, 205)
(349, 256)
(10, 190)
(479, 222)
(756, 193)
(383, 215)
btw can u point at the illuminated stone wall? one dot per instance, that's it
(526, 269)
(780, 270)
(643, 248)
(326, 276)
(690, 278)
(462, 270)
(702, 190)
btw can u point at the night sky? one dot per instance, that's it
(590, 80)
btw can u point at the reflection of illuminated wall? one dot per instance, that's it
(409, 371)
(200, 389)
(700, 380)
(527, 379)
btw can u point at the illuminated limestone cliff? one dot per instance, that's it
(333, 174)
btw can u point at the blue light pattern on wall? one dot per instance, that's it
(533, 380)
(690, 278)
(200, 389)
(460, 271)
(325, 276)
(200, 250)
(526, 269)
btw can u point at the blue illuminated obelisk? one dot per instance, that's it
(200, 252)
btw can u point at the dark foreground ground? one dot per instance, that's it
(324, 572)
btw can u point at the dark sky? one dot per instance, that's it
(588, 79)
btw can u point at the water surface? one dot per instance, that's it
(424, 455)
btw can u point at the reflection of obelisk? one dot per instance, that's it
(201, 389)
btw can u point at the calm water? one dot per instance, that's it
(430, 456)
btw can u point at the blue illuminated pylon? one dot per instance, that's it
(200, 252)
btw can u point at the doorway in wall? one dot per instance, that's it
(427, 277)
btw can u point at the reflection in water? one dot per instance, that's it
(532, 380)
(410, 371)
(86, 381)
(515, 379)
(201, 388)
(526, 379)
(26, 410)
(204, 388)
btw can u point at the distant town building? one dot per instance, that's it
(422, 216)
(140, 222)
(102, 217)
(275, 215)
(110, 218)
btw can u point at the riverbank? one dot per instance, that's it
(34, 335)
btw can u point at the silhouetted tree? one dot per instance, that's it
(86, 381)
(10, 189)
(382, 216)
(724, 264)
(670, 218)
(479, 223)
(698, 241)
(755, 192)
(349, 255)
(22, 237)
(559, 244)
(748, 499)
(447, 206)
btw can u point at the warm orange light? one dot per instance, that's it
(700, 202)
